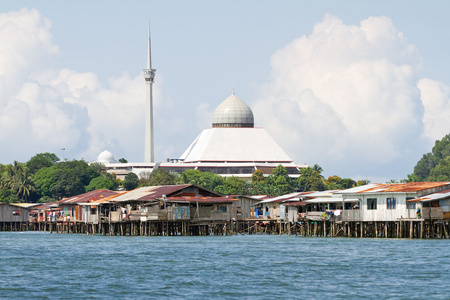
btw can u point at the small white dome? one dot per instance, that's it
(106, 157)
(233, 112)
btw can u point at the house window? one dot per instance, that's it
(371, 203)
(93, 210)
(391, 203)
(16, 213)
(410, 205)
(221, 208)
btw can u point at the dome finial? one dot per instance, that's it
(232, 90)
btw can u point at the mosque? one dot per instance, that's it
(233, 146)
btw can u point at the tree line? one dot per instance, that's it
(44, 178)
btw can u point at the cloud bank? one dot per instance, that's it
(348, 98)
(43, 109)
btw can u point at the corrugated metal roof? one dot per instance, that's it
(25, 205)
(149, 193)
(394, 187)
(286, 197)
(87, 197)
(201, 199)
(431, 197)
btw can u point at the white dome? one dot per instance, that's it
(233, 112)
(106, 157)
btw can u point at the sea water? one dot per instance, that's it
(39, 265)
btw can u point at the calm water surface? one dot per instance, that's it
(43, 266)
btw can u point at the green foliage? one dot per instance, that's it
(66, 183)
(159, 177)
(233, 186)
(80, 168)
(411, 178)
(362, 182)
(123, 160)
(257, 177)
(101, 182)
(441, 172)
(130, 182)
(7, 196)
(17, 179)
(41, 160)
(311, 180)
(98, 167)
(433, 166)
(64, 179)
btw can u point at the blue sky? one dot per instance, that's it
(84, 77)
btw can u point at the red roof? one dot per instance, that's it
(201, 199)
(407, 187)
(173, 191)
(87, 197)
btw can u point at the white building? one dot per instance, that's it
(388, 202)
(231, 147)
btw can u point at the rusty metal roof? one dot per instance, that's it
(431, 197)
(201, 199)
(394, 187)
(149, 193)
(87, 197)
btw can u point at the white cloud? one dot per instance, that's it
(435, 97)
(346, 97)
(43, 109)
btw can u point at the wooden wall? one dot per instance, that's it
(12, 213)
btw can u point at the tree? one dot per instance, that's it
(17, 179)
(80, 168)
(425, 165)
(131, 181)
(65, 184)
(161, 177)
(101, 182)
(429, 161)
(257, 177)
(64, 179)
(310, 180)
(441, 172)
(411, 178)
(346, 183)
(123, 160)
(233, 186)
(98, 167)
(24, 185)
(391, 181)
(41, 160)
(362, 182)
(191, 176)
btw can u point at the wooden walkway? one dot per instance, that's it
(418, 229)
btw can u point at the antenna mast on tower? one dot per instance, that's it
(149, 76)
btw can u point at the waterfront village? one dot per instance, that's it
(401, 210)
(234, 147)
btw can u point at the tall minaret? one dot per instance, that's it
(149, 75)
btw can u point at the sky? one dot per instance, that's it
(361, 88)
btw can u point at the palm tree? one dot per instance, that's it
(317, 168)
(18, 179)
(23, 184)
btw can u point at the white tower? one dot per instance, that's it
(149, 75)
